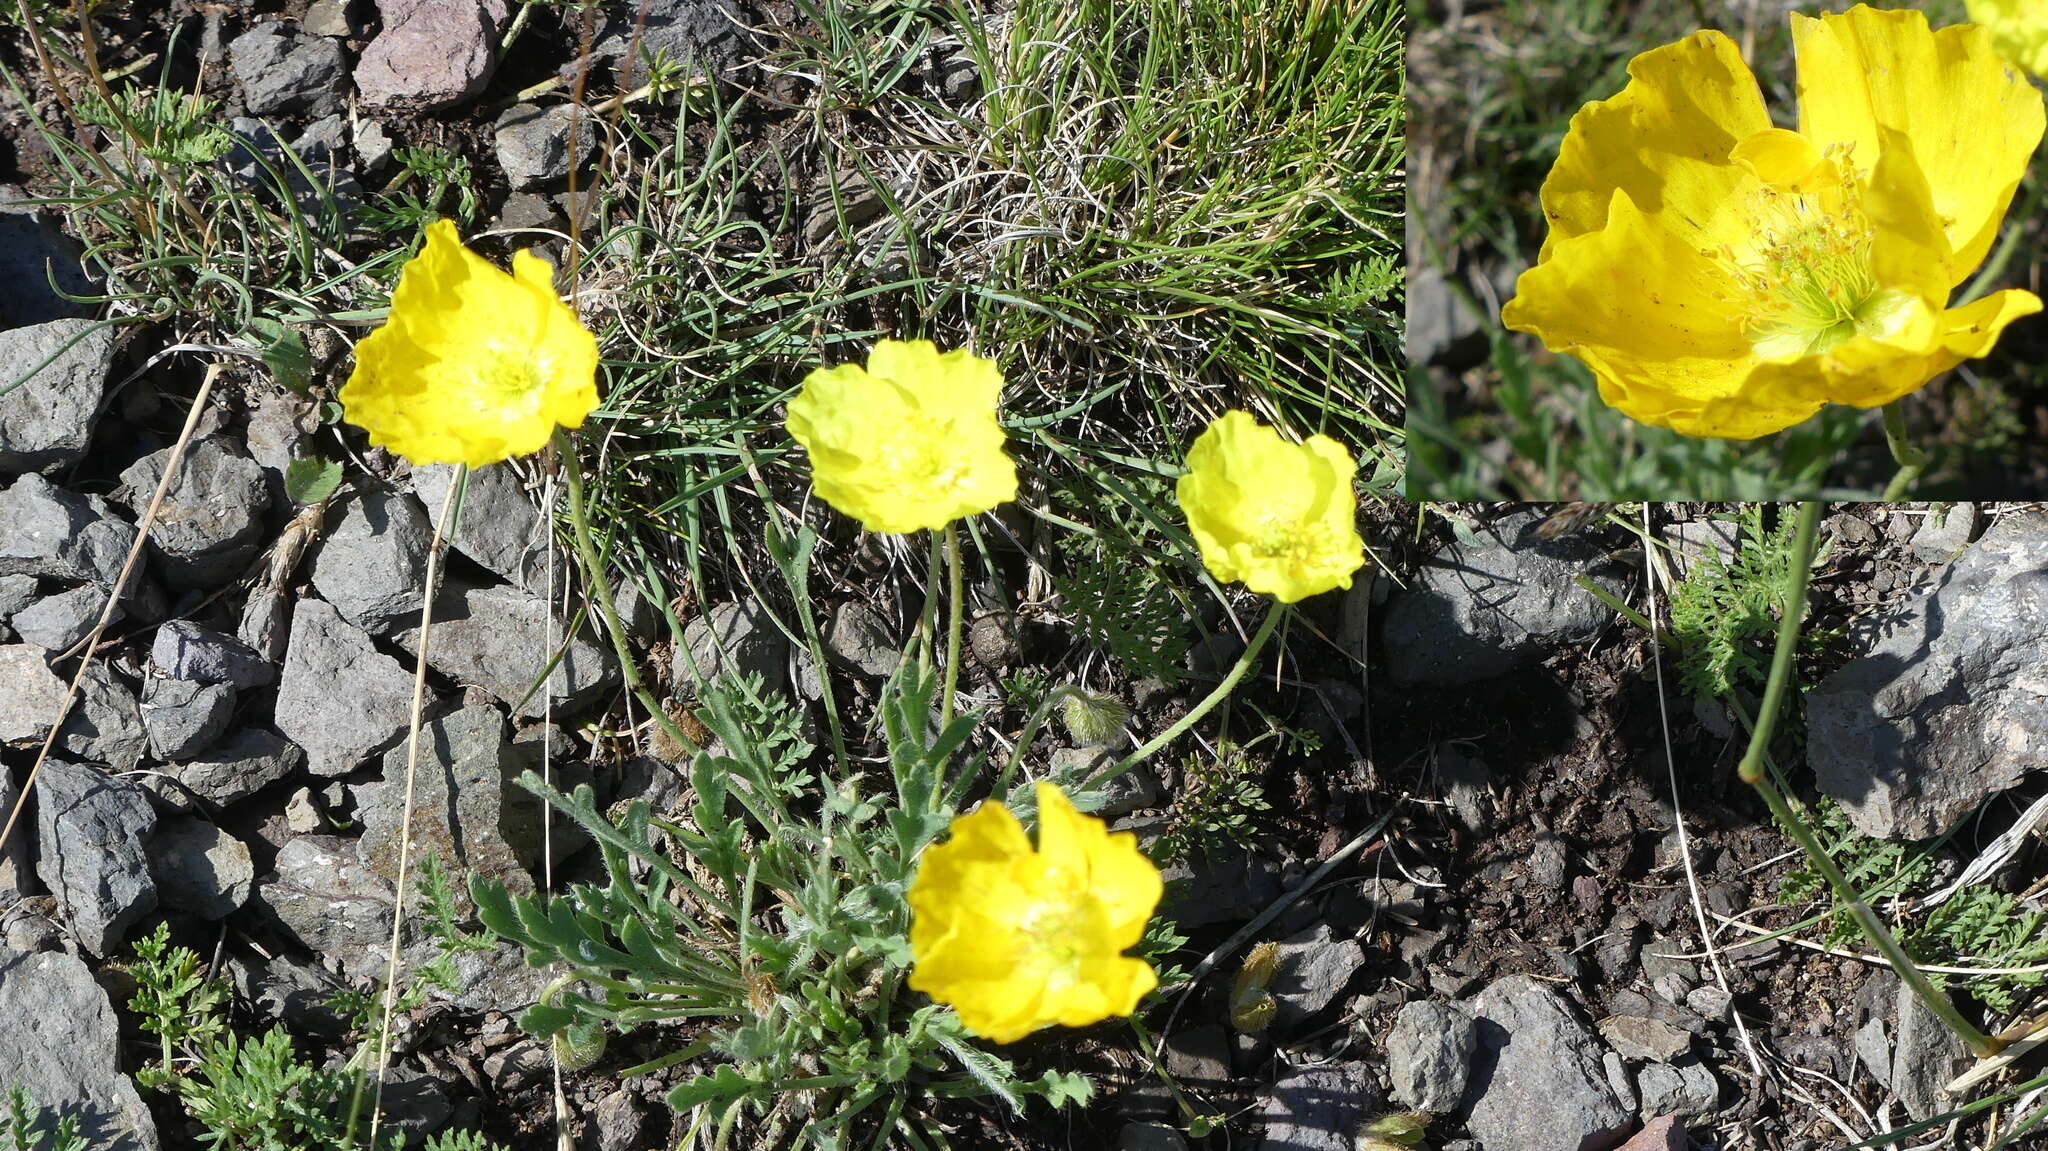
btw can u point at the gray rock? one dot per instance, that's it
(1945, 532)
(1318, 1108)
(52, 534)
(1429, 1055)
(339, 697)
(519, 1066)
(498, 527)
(286, 988)
(1927, 1056)
(15, 865)
(16, 593)
(199, 868)
(57, 622)
(706, 36)
(331, 18)
(1315, 967)
(276, 436)
(184, 717)
(232, 770)
(1874, 1050)
(372, 563)
(90, 828)
(1710, 1002)
(430, 53)
(1479, 610)
(207, 527)
(1536, 1078)
(1134, 790)
(105, 724)
(1686, 1089)
(533, 142)
(330, 904)
(1696, 540)
(33, 252)
(1644, 1040)
(62, 1046)
(46, 421)
(498, 979)
(732, 637)
(856, 639)
(373, 146)
(1948, 708)
(620, 1120)
(30, 693)
(501, 638)
(282, 70)
(1467, 786)
(186, 650)
(1150, 1137)
(529, 210)
(465, 808)
(1219, 884)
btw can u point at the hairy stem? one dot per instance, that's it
(955, 611)
(1753, 773)
(1222, 692)
(601, 595)
(1911, 460)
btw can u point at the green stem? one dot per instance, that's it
(1753, 773)
(1911, 460)
(955, 612)
(1230, 681)
(601, 595)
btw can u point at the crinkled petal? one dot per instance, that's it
(1974, 121)
(2019, 30)
(1664, 140)
(1117, 875)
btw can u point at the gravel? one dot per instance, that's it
(90, 829)
(46, 422)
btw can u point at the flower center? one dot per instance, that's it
(1056, 926)
(918, 454)
(511, 379)
(1295, 543)
(1810, 279)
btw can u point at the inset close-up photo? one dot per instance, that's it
(1720, 249)
(691, 575)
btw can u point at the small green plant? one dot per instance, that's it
(171, 127)
(1725, 612)
(1874, 866)
(25, 1132)
(779, 933)
(1984, 927)
(428, 179)
(1220, 798)
(1122, 603)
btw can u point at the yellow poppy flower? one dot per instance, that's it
(1727, 278)
(1279, 516)
(1016, 939)
(908, 442)
(2019, 29)
(473, 366)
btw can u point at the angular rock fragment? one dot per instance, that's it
(61, 1044)
(46, 421)
(501, 639)
(207, 526)
(90, 830)
(1949, 707)
(339, 697)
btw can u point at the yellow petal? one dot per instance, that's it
(2019, 30)
(1117, 874)
(473, 365)
(908, 442)
(1664, 140)
(1972, 119)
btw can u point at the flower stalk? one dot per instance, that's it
(1911, 460)
(955, 613)
(1222, 692)
(601, 595)
(1753, 773)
